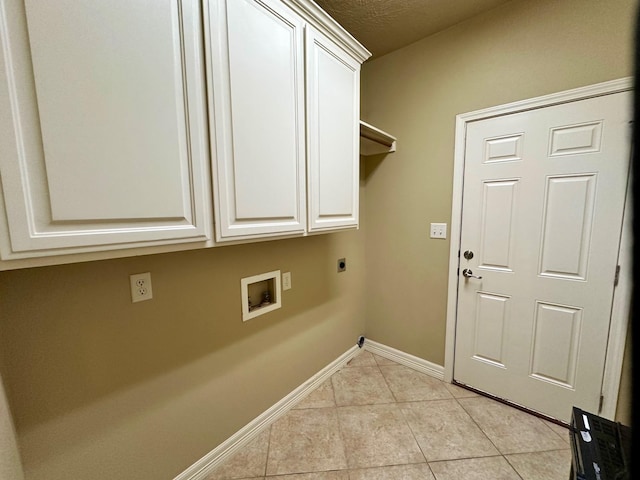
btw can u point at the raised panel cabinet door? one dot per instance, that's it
(103, 140)
(256, 69)
(333, 112)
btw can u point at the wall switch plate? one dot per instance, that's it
(141, 287)
(438, 230)
(286, 281)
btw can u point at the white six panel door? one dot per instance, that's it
(257, 73)
(103, 127)
(544, 195)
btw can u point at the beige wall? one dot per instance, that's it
(10, 464)
(101, 388)
(521, 50)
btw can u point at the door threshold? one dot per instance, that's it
(511, 404)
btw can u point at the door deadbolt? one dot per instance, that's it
(468, 254)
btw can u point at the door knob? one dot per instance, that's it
(469, 274)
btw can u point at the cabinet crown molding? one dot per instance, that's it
(321, 20)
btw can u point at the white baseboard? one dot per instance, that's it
(405, 359)
(207, 464)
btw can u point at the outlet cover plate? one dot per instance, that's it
(342, 265)
(141, 287)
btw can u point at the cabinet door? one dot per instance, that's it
(103, 138)
(257, 100)
(333, 112)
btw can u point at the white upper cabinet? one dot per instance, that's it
(103, 140)
(145, 126)
(284, 103)
(333, 109)
(257, 81)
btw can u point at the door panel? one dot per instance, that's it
(491, 318)
(71, 90)
(499, 208)
(257, 94)
(543, 202)
(568, 217)
(264, 111)
(333, 112)
(555, 343)
(103, 138)
(572, 140)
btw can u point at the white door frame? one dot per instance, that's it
(622, 296)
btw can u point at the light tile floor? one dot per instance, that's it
(378, 420)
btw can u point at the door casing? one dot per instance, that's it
(622, 295)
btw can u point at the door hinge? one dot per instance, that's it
(600, 404)
(616, 279)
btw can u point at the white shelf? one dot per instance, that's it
(374, 141)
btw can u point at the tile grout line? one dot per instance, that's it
(504, 455)
(342, 439)
(480, 428)
(433, 474)
(531, 415)
(556, 433)
(487, 437)
(512, 466)
(397, 403)
(385, 380)
(266, 460)
(413, 434)
(335, 407)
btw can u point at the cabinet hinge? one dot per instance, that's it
(600, 404)
(616, 279)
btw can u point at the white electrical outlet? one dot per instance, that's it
(141, 287)
(438, 230)
(286, 281)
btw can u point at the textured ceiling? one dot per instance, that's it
(386, 25)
